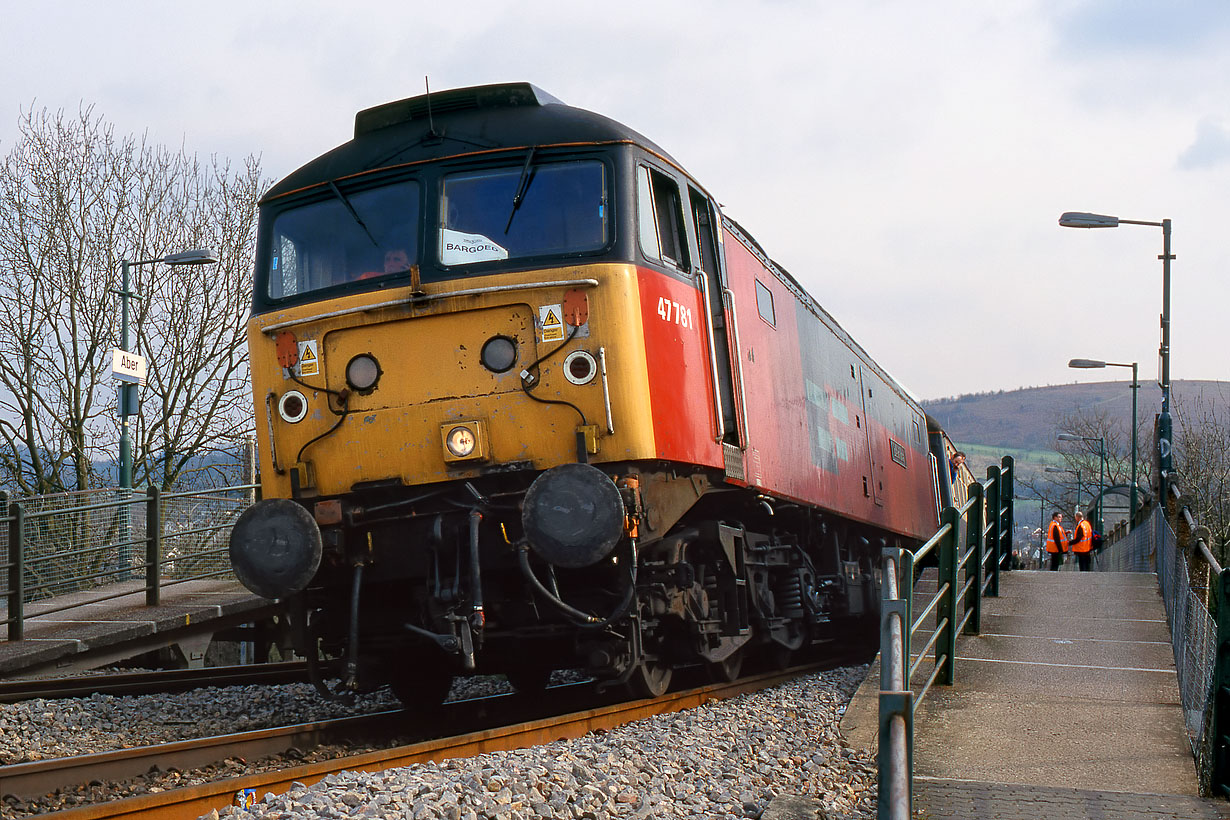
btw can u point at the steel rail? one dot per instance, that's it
(141, 683)
(195, 801)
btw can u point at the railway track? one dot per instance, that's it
(197, 800)
(143, 683)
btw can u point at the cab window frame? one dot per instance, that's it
(276, 237)
(659, 198)
(514, 164)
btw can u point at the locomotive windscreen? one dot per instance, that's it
(531, 210)
(344, 237)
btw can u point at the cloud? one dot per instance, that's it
(1212, 146)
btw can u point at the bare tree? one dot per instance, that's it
(1101, 433)
(75, 199)
(1202, 461)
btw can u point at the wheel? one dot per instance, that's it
(727, 669)
(528, 679)
(424, 687)
(650, 680)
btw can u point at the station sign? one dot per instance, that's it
(128, 367)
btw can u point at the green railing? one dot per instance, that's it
(74, 542)
(971, 545)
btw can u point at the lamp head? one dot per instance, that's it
(1086, 363)
(1070, 437)
(196, 256)
(1078, 219)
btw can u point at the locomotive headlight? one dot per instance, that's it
(461, 441)
(362, 372)
(464, 441)
(499, 354)
(293, 406)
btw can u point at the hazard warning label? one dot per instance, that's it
(550, 323)
(309, 361)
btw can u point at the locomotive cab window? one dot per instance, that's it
(660, 218)
(702, 215)
(532, 209)
(764, 304)
(344, 237)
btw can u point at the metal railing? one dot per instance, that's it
(75, 542)
(971, 545)
(1196, 591)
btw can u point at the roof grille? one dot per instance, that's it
(448, 102)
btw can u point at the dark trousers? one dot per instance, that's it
(1056, 560)
(1082, 560)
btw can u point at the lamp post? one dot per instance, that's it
(128, 401)
(128, 391)
(1096, 363)
(1074, 219)
(1101, 466)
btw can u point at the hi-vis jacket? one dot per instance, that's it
(1057, 538)
(1082, 539)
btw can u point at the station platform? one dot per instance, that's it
(1066, 706)
(112, 623)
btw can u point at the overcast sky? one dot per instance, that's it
(907, 161)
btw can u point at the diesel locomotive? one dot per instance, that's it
(526, 400)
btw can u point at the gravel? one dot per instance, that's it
(723, 760)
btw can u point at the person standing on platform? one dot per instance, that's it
(1082, 542)
(1056, 541)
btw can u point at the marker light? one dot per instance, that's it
(362, 372)
(580, 367)
(293, 406)
(499, 354)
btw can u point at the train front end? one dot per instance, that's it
(440, 346)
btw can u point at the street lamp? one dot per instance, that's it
(128, 390)
(128, 400)
(1101, 466)
(1097, 363)
(1074, 219)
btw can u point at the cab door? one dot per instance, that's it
(712, 281)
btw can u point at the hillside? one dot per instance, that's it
(1028, 419)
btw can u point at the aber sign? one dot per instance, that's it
(128, 367)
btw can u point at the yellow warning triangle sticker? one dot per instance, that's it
(309, 354)
(551, 318)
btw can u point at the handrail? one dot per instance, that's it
(78, 550)
(974, 539)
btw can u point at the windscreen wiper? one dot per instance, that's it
(358, 219)
(522, 185)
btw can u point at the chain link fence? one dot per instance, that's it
(116, 542)
(1153, 547)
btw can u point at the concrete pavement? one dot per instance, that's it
(1066, 706)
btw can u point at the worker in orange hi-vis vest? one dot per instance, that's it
(1082, 542)
(1056, 540)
